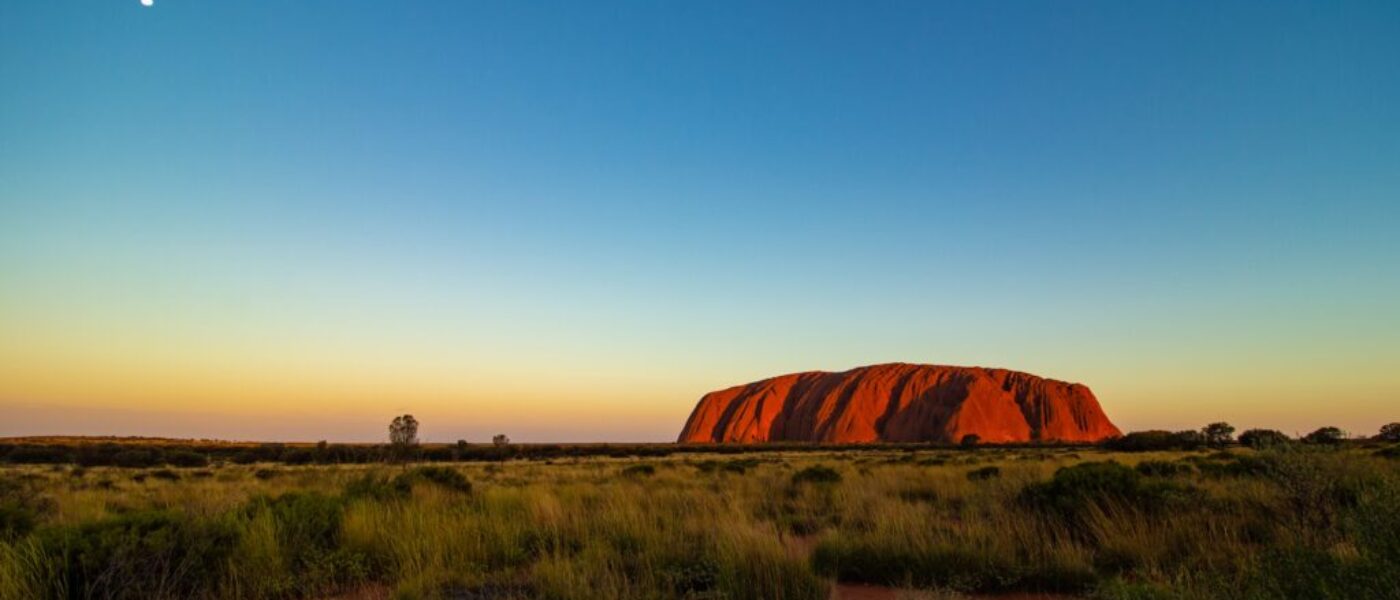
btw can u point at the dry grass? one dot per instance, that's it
(706, 527)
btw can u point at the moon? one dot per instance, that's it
(148, 2)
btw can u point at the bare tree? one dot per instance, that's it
(403, 437)
(500, 439)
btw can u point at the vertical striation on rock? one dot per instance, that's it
(900, 403)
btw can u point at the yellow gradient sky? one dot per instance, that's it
(258, 220)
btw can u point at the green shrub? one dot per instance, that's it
(1329, 436)
(1239, 466)
(187, 459)
(1156, 440)
(740, 465)
(309, 529)
(1118, 589)
(154, 554)
(16, 520)
(377, 487)
(165, 475)
(918, 495)
(706, 466)
(818, 474)
(1390, 432)
(960, 567)
(1260, 439)
(637, 471)
(1392, 452)
(444, 477)
(20, 508)
(299, 456)
(1162, 468)
(1073, 488)
(136, 459)
(983, 474)
(39, 455)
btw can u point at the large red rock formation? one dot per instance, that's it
(901, 403)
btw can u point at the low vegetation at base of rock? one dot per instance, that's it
(1292, 521)
(636, 471)
(817, 474)
(984, 473)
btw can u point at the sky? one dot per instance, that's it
(566, 221)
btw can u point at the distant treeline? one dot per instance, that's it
(139, 454)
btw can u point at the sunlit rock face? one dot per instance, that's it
(901, 403)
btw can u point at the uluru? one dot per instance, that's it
(901, 403)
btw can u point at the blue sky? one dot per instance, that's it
(591, 214)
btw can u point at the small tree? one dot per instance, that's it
(1218, 434)
(403, 437)
(1390, 432)
(500, 440)
(1259, 439)
(970, 440)
(1325, 435)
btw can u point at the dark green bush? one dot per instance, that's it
(186, 459)
(1260, 439)
(918, 495)
(639, 471)
(153, 554)
(309, 537)
(245, 457)
(445, 477)
(165, 474)
(39, 455)
(1118, 589)
(983, 474)
(136, 459)
(1326, 436)
(819, 474)
(1390, 432)
(1074, 488)
(20, 509)
(1156, 440)
(965, 569)
(299, 456)
(1162, 468)
(16, 520)
(706, 466)
(740, 465)
(378, 487)
(1239, 466)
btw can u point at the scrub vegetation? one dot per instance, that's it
(1286, 520)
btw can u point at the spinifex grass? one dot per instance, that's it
(1277, 524)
